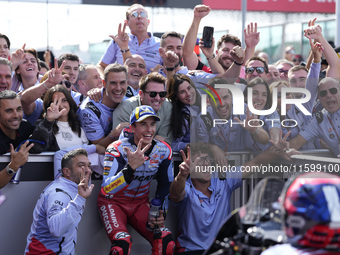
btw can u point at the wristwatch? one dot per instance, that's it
(9, 170)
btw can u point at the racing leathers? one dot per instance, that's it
(124, 195)
(55, 219)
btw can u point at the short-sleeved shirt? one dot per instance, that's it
(24, 131)
(149, 50)
(229, 137)
(301, 120)
(200, 217)
(39, 107)
(326, 126)
(95, 118)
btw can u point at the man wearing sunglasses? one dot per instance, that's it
(284, 66)
(141, 42)
(152, 92)
(256, 67)
(326, 123)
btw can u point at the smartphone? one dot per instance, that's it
(208, 33)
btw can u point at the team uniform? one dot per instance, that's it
(95, 118)
(326, 126)
(130, 92)
(149, 50)
(125, 108)
(302, 120)
(124, 195)
(55, 219)
(200, 217)
(226, 136)
(269, 121)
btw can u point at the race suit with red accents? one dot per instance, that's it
(124, 195)
(122, 183)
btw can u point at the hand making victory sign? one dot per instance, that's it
(136, 158)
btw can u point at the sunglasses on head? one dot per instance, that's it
(154, 93)
(259, 70)
(139, 14)
(323, 93)
(66, 83)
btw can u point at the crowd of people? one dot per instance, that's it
(147, 98)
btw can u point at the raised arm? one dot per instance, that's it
(31, 94)
(122, 40)
(177, 187)
(233, 72)
(190, 58)
(251, 38)
(315, 32)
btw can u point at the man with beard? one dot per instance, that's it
(13, 129)
(202, 199)
(224, 46)
(171, 53)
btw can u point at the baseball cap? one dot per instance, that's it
(141, 113)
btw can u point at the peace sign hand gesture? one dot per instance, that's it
(184, 167)
(54, 112)
(84, 189)
(55, 75)
(122, 38)
(136, 158)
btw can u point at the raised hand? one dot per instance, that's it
(208, 52)
(19, 158)
(18, 57)
(84, 189)
(55, 75)
(184, 167)
(200, 11)
(313, 32)
(95, 94)
(116, 132)
(238, 54)
(122, 38)
(53, 111)
(136, 158)
(317, 50)
(251, 36)
(252, 129)
(281, 144)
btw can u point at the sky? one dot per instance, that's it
(78, 24)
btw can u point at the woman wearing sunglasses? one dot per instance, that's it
(185, 100)
(261, 100)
